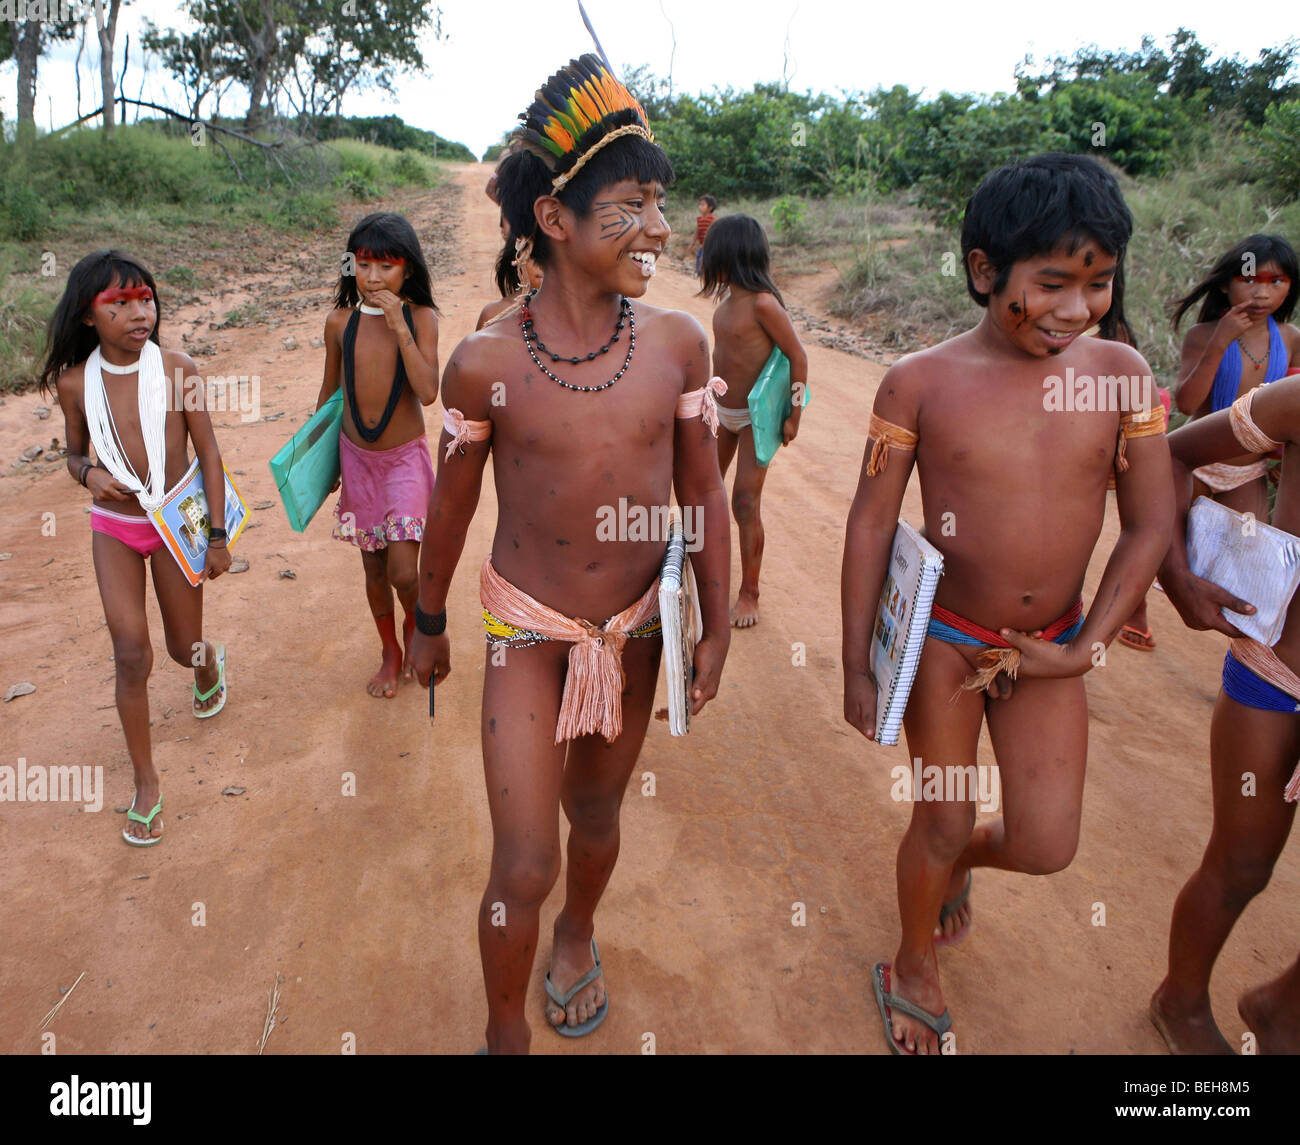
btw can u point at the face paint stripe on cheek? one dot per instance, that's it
(615, 220)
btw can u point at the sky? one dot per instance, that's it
(495, 52)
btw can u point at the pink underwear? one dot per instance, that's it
(136, 533)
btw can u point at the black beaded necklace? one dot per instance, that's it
(625, 317)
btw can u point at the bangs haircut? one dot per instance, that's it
(1041, 205)
(387, 235)
(736, 254)
(68, 340)
(522, 179)
(1213, 288)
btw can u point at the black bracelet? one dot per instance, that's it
(81, 477)
(216, 534)
(429, 623)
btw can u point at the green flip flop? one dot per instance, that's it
(136, 817)
(562, 1000)
(200, 697)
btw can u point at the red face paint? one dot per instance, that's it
(370, 256)
(1264, 279)
(123, 294)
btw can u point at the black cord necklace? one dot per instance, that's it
(625, 317)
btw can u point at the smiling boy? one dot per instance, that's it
(586, 399)
(1014, 495)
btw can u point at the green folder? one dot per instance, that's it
(307, 467)
(770, 404)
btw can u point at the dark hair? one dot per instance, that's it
(1114, 326)
(522, 179)
(1035, 206)
(68, 340)
(385, 234)
(1263, 249)
(709, 201)
(736, 254)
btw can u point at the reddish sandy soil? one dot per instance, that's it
(364, 906)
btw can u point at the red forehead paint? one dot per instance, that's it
(1265, 279)
(123, 294)
(370, 256)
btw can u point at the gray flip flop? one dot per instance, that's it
(887, 1001)
(562, 1000)
(949, 909)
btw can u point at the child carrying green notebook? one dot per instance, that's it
(749, 324)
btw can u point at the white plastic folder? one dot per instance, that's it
(902, 618)
(679, 612)
(1252, 560)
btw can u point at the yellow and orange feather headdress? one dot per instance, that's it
(579, 110)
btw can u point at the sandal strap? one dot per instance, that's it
(948, 909)
(586, 980)
(136, 817)
(940, 1024)
(221, 681)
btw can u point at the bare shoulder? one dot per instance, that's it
(898, 397)
(672, 324)
(425, 318)
(767, 307)
(70, 385)
(916, 371)
(1101, 356)
(675, 330)
(1291, 339)
(478, 360)
(338, 318)
(1199, 335)
(174, 360)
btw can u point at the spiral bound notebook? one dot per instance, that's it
(902, 618)
(1252, 560)
(679, 612)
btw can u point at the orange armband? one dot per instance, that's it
(1249, 436)
(1139, 423)
(887, 435)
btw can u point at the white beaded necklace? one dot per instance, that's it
(151, 401)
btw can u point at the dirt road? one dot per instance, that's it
(364, 905)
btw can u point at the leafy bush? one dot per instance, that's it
(787, 217)
(1278, 144)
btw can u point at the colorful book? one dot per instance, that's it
(679, 613)
(1251, 559)
(182, 520)
(306, 469)
(902, 618)
(770, 403)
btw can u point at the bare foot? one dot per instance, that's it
(1267, 1018)
(912, 1036)
(408, 632)
(745, 612)
(384, 682)
(146, 799)
(953, 926)
(570, 959)
(206, 676)
(1186, 1030)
